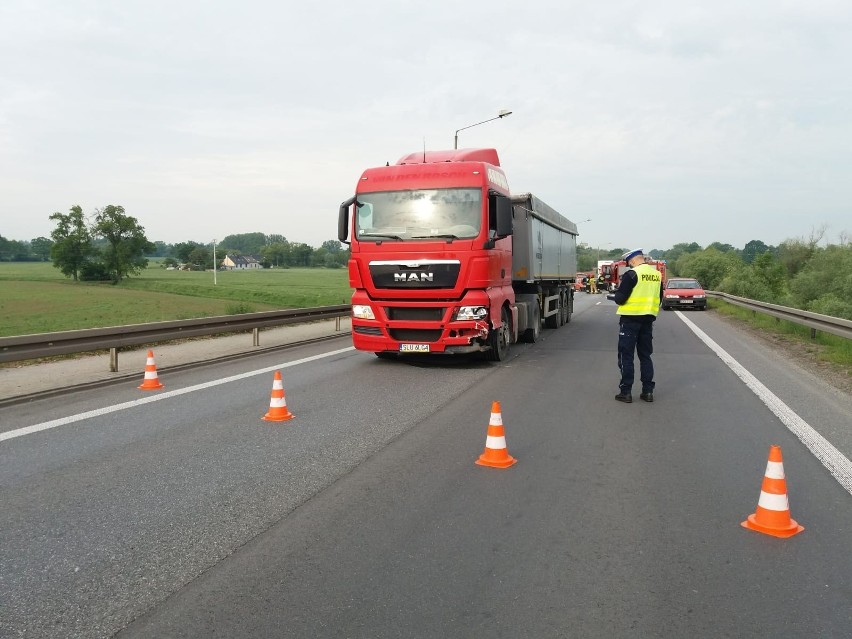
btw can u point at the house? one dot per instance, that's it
(239, 262)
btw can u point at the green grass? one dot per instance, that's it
(830, 348)
(37, 298)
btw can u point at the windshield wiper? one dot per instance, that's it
(389, 236)
(448, 236)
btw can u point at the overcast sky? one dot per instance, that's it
(660, 121)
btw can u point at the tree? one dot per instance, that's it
(764, 279)
(824, 284)
(245, 243)
(41, 248)
(795, 253)
(723, 248)
(300, 254)
(72, 242)
(752, 249)
(332, 246)
(200, 258)
(709, 266)
(674, 253)
(127, 245)
(276, 254)
(183, 249)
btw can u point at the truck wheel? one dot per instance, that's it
(499, 340)
(532, 334)
(569, 306)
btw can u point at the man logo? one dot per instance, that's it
(413, 277)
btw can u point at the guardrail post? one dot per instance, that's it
(813, 333)
(113, 359)
(337, 324)
(255, 337)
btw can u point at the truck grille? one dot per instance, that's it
(418, 274)
(368, 330)
(410, 313)
(414, 335)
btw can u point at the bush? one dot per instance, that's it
(94, 272)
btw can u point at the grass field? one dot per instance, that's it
(824, 347)
(37, 298)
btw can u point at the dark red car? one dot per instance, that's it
(684, 292)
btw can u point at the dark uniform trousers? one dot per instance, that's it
(636, 333)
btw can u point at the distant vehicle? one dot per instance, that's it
(582, 281)
(684, 292)
(612, 272)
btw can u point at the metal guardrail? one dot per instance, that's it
(814, 321)
(24, 347)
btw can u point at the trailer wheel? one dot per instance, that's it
(532, 334)
(499, 340)
(569, 306)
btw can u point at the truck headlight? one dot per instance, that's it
(362, 311)
(471, 313)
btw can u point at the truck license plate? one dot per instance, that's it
(414, 348)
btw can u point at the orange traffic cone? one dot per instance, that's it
(496, 455)
(151, 381)
(278, 411)
(772, 516)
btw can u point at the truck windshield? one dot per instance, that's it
(417, 215)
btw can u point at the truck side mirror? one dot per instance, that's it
(343, 220)
(500, 215)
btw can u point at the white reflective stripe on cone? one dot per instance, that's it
(495, 442)
(775, 470)
(773, 502)
(276, 402)
(496, 419)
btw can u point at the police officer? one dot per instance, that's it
(638, 297)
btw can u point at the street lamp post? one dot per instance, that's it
(214, 262)
(500, 115)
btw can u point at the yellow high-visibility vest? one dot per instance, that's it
(645, 298)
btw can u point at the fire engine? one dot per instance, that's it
(613, 272)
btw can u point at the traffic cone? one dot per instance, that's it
(151, 381)
(278, 411)
(496, 455)
(772, 516)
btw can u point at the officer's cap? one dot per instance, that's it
(629, 255)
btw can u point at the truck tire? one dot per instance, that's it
(569, 307)
(532, 334)
(499, 340)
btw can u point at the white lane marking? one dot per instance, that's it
(27, 430)
(836, 463)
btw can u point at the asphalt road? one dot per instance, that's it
(365, 516)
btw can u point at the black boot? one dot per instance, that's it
(624, 396)
(648, 397)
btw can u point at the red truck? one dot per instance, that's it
(445, 260)
(611, 273)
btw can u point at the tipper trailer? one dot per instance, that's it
(445, 260)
